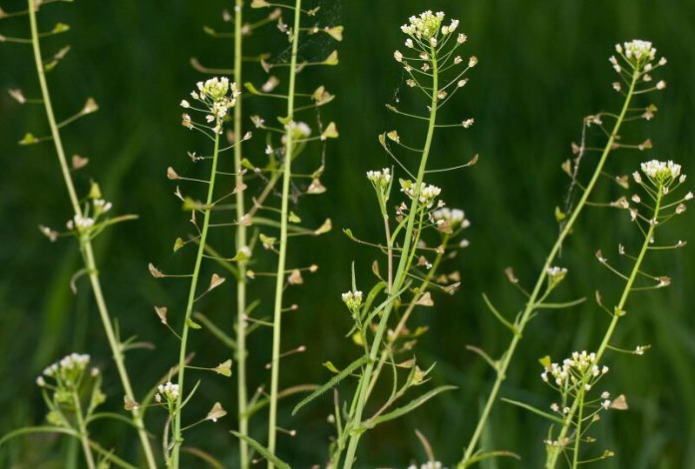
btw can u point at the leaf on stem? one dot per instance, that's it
(263, 451)
(332, 382)
(409, 407)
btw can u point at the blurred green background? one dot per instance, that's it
(543, 67)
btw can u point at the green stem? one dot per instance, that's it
(578, 437)
(178, 439)
(618, 313)
(242, 398)
(84, 436)
(282, 257)
(401, 273)
(85, 243)
(532, 302)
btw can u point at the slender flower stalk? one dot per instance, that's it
(665, 178)
(282, 255)
(241, 240)
(85, 241)
(219, 96)
(635, 71)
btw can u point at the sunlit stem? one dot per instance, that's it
(177, 435)
(282, 255)
(399, 278)
(242, 399)
(85, 242)
(532, 301)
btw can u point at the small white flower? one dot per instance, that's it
(638, 51)
(556, 274)
(425, 26)
(409, 43)
(352, 299)
(380, 179)
(453, 218)
(169, 391)
(398, 56)
(185, 104)
(468, 123)
(661, 85)
(660, 171)
(472, 61)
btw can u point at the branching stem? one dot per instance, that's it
(532, 303)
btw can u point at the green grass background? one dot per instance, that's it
(543, 66)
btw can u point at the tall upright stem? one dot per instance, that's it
(178, 439)
(85, 242)
(400, 277)
(282, 257)
(532, 301)
(242, 399)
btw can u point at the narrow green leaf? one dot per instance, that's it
(263, 450)
(333, 381)
(412, 405)
(488, 455)
(542, 413)
(30, 430)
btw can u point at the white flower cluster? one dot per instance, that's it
(67, 370)
(168, 391)
(80, 223)
(426, 26)
(352, 299)
(218, 96)
(574, 370)
(380, 179)
(299, 130)
(637, 50)
(556, 274)
(426, 195)
(453, 218)
(661, 171)
(102, 206)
